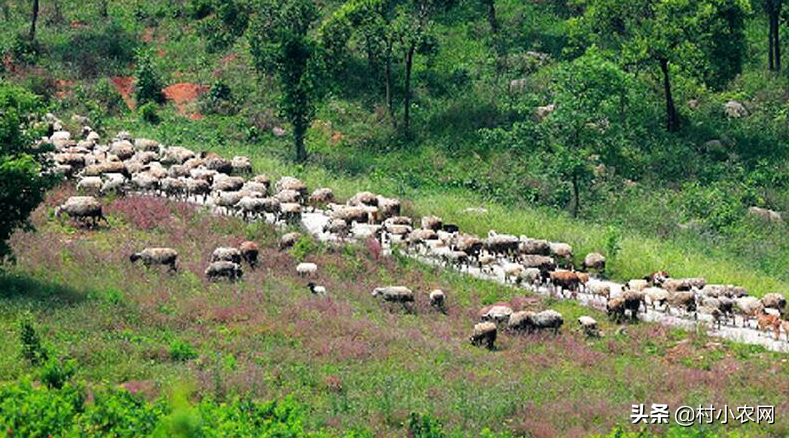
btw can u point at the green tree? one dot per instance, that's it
(703, 38)
(591, 98)
(147, 85)
(281, 45)
(23, 185)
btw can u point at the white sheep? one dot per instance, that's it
(229, 270)
(227, 254)
(438, 300)
(589, 326)
(306, 269)
(316, 290)
(157, 256)
(82, 208)
(89, 184)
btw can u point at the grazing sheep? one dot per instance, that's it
(682, 300)
(655, 295)
(307, 269)
(562, 251)
(350, 214)
(388, 207)
(249, 252)
(543, 263)
(594, 261)
(157, 256)
(748, 307)
(497, 313)
(241, 165)
(115, 183)
(766, 321)
(500, 243)
(217, 163)
(197, 187)
(288, 240)
(82, 208)
(683, 284)
(438, 300)
(633, 300)
(432, 223)
(146, 145)
(223, 269)
(289, 196)
(455, 259)
(224, 183)
(89, 184)
(512, 272)
(548, 319)
(338, 227)
(565, 280)
(291, 183)
(419, 236)
(252, 208)
(395, 294)
(774, 300)
(173, 187)
(122, 149)
(262, 179)
(589, 326)
(599, 288)
(484, 334)
(363, 198)
(321, 197)
(657, 278)
(521, 321)
(450, 228)
(534, 246)
(486, 262)
(226, 254)
(259, 189)
(317, 290)
(615, 308)
(468, 243)
(145, 182)
(638, 284)
(203, 174)
(531, 276)
(290, 212)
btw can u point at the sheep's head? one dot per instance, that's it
(134, 257)
(58, 211)
(377, 291)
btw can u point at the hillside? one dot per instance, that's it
(545, 119)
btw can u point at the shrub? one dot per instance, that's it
(56, 372)
(148, 85)
(424, 426)
(149, 113)
(30, 342)
(219, 99)
(303, 247)
(101, 48)
(22, 184)
(181, 351)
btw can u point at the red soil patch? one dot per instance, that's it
(76, 24)
(183, 94)
(229, 58)
(63, 88)
(124, 85)
(147, 36)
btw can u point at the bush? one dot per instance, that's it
(56, 372)
(219, 99)
(101, 48)
(31, 347)
(39, 411)
(148, 85)
(149, 113)
(22, 184)
(424, 426)
(181, 351)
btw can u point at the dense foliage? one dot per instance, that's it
(22, 184)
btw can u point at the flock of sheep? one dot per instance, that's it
(127, 165)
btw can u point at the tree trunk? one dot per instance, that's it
(299, 132)
(773, 8)
(770, 32)
(777, 34)
(409, 63)
(103, 8)
(494, 25)
(576, 197)
(33, 21)
(672, 118)
(388, 85)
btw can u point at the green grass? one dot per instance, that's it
(352, 362)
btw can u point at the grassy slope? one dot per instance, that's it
(353, 362)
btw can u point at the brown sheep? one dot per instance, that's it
(484, 334)
(249, 253)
